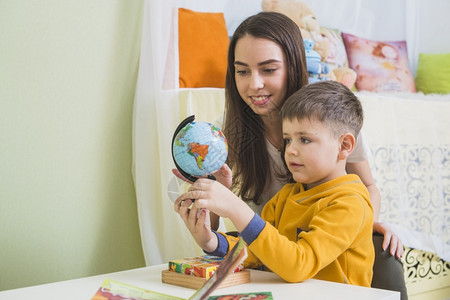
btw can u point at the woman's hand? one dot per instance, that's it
(224, 176)
(179, 175)
(390, 239)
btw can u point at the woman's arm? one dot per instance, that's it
(362, 169)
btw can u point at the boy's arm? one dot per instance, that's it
(227, 242)
(225, 177)
(249, 234)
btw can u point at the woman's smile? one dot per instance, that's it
(259, 100)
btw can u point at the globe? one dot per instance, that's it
(200, 148)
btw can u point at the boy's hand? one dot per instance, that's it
(217, 198)
(213, 196)
(198, 223)
(224, 176)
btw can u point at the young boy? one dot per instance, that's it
(319, 227)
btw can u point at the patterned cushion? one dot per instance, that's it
(380, 66)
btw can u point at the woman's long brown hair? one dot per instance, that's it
(248, 155)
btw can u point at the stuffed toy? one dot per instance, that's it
(343, 75)
(317, 69)
(309, 25)
(305, 19)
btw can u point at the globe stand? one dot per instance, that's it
(186, 175)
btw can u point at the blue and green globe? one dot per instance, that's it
(200, 148)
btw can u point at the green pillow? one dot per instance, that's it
(433, 73)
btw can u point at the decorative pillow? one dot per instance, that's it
(433, 73)
(338, 56)
(202, 45)
(380, 66)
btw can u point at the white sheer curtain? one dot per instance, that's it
(160, 105)
(155, 113)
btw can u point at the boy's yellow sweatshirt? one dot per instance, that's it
(323, 233)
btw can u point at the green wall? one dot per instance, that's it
(68, 72)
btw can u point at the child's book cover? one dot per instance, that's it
(115, 290)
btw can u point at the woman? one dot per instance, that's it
(256, 86)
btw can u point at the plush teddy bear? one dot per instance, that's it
(309, 26)
(343, 75)
(304, 17)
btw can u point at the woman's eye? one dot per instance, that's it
(241, 72)
(287, 141)
(269, 70)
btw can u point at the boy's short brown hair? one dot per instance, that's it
(330, 102)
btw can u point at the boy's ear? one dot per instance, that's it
(347, 144)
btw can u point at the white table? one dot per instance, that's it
(150, 278)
